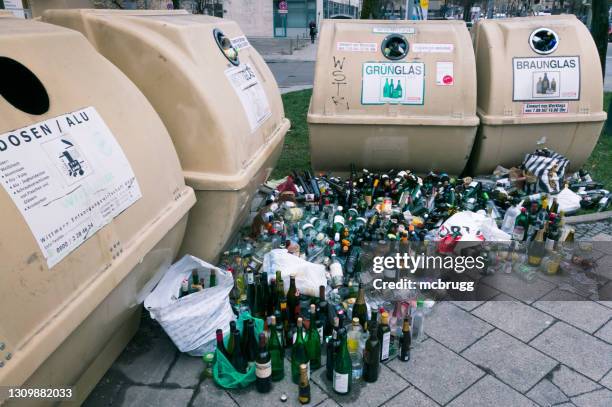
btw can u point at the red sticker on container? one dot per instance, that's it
(447, 79)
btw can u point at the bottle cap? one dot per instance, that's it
(355, 321)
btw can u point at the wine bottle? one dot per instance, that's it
(220, 344)
(237, 359)
(230, 342)
(292, 300)
(276, 352)
(332, 347)
(263, 367)
(298, 354)
(313, 340)
(342, 366)
(360, 310)
(212, 281)
(371, 358)
(249, 341)
(384, 336)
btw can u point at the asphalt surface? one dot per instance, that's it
(293, 73)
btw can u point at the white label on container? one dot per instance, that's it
(545, 108)
(357, 46)
(432, 48)
(444, 74)
(384, 349)
(263, 370)
(393, 82)
(251, 94)
(393, 30)
(240, 43)
(68, 177)
(341, 382)
(320, 329)
(546, 78)
(15, 7)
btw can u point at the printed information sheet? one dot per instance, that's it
(68, 177)
(251, 94)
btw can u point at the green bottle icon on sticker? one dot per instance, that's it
(386, 88)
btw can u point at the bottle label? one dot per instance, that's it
(518, 233)
(339, 219)
(250, 278)
(341, 382)
(384, 349)
(263, 370)
(550, 244)
(320, 329)
(279, 334)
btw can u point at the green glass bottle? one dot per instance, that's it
(212, 281)
(259, 306)
(313, 340)
(398, 90)
(292, 300)
(360, 310)
(298, 354)
(342, 366)
(521, 225)
(276, 352)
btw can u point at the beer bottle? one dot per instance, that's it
(276, 350)
(536, 249)
(313, 340)
(292, 302)
(371, 359)
(342, 366)
(263, 367)
(304, 385)
(237, 359)
(332, 346)
(249, 341)
(384, 336)
(360, 310)
(406, 341)
(298, 354)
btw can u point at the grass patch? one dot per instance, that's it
(296, 152)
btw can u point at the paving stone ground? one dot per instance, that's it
(527, 347)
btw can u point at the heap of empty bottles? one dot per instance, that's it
(325, 219)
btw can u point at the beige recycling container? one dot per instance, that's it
(92, 205)
(224, 114)
(539, 84)
(393, 94)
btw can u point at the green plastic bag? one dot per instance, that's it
(224, 373)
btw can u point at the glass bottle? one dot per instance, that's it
(384, 336)
(298, 354)
(536, 249)
(230, 342)
(360, 309)
(220, 344)
(417, 323)
(521, 226)
(263, 367)
(212, 281)
(371, 358)
(406, 341)
(276, 352)
(249, 341)
(342, 366)
(313, 340)
(237, 359)
(354, 337)
(333, 343)
(292, 301)
(304, 385)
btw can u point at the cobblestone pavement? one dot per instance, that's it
(588, 230)
(511, 352)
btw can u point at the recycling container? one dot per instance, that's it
(92, 204)
(216, 96)
(539, 84)
(393, 94)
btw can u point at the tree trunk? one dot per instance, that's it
(599, 31)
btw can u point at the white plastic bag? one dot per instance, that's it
(471, 226)
(308, 276)
(568, 200)
(191, 321)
